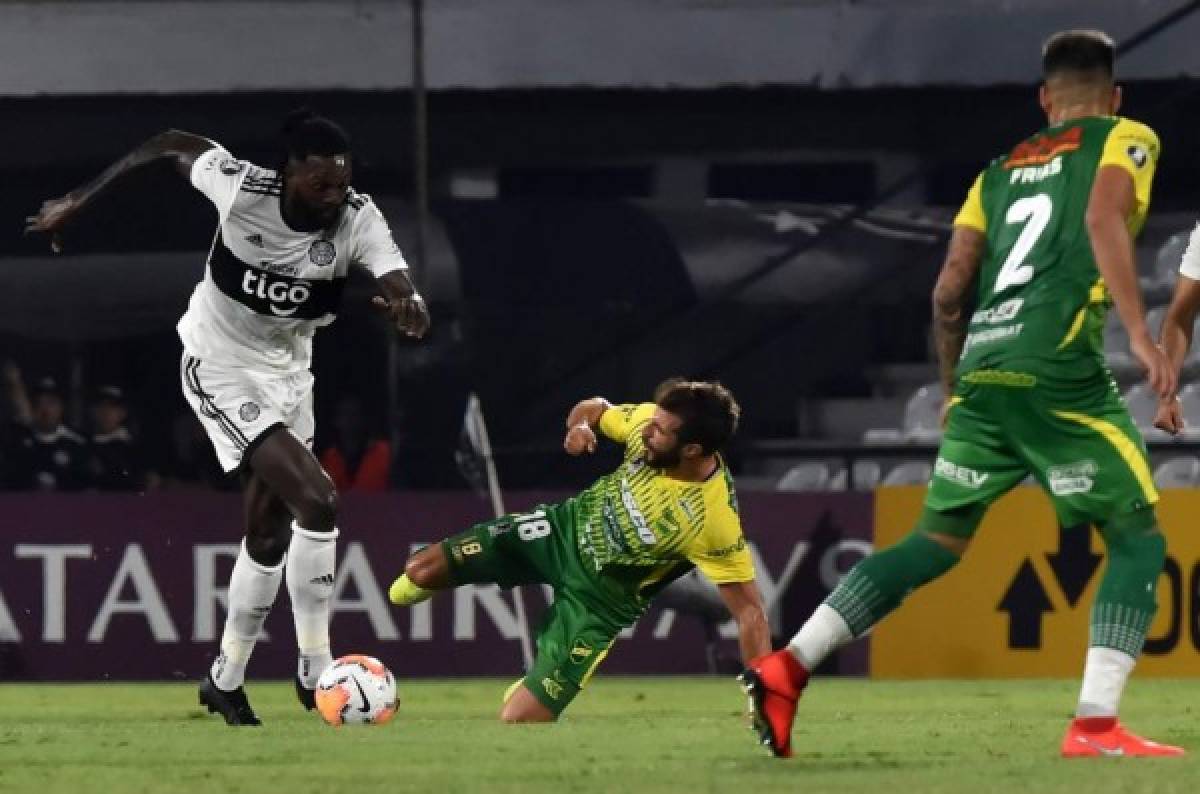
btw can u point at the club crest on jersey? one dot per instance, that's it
(230, 166)
(322, 252)
(249, 411)
(581, 652)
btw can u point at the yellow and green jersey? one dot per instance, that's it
(1041, 302)
(642, 527)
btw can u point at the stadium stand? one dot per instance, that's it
(807, 476)
(910, 472)
(1181, 472)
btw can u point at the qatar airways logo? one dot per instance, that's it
(285, 297)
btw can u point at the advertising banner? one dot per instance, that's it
(96, 587)
(1018, 603)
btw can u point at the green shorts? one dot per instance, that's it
(1074, 437)
(580, 625)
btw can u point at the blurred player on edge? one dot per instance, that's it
(1046, 232)
(607, 551)
(285, 241)
(1177, 329)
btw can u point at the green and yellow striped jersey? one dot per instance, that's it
(641, 526)
(1040, 299)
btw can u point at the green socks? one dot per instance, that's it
(1126, 603)
(878, 584)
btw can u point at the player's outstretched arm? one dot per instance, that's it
(1176, 335)
(745, 604)
(1112, 201)
(181, 148)
(581, 425)
(952, 300)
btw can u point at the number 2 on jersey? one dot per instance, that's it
(1034, 212)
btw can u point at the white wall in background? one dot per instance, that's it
(217, 45)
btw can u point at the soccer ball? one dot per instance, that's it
(356, 690)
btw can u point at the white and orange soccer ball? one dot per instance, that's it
(356, 690)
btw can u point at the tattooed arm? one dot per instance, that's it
(952, 299)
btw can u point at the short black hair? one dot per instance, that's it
(707, 411)
(1086, 53)
(305, 133)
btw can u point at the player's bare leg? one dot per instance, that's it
(295, 499)
(269, 523)
(278, 462)
(520, 705)
(253, 588)
(425, 573)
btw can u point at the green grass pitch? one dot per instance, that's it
(623, 734)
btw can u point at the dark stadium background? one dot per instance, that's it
(585, 266)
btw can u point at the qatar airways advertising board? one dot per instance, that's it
(100, 587)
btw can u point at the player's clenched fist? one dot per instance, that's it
(1169, 416)
(51, 218)
(580, 439)
(409, 315)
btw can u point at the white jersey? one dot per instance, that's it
(267, 287)
(1189, 265)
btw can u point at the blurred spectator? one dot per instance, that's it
(116, 460)
(16, 400)
(43, 453)
(190, 460)
(14, 412)
(355, 461)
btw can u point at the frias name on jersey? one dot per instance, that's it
(1040, 301)
(267, 287)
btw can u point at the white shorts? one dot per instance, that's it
(237, 406)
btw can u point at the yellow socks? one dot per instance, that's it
(404, 593)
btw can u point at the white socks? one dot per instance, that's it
(1104, 677)
(252, 591)
(823, 633)
(310, 567)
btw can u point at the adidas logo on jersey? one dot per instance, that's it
(325, 579)
(255, 239)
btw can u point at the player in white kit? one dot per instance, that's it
(285, 241)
